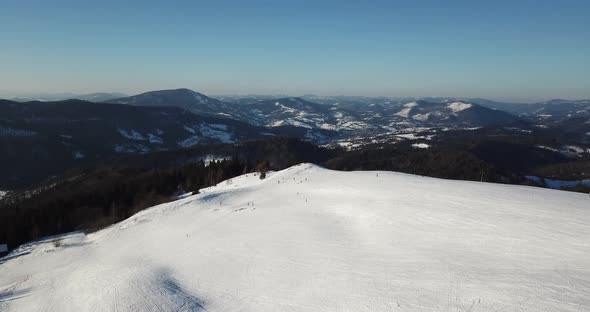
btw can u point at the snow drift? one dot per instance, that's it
(311, 239)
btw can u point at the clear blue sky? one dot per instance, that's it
(510, 50)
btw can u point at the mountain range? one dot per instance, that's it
(43, 138)
(327, 115)
(183, 97)
(92, 97)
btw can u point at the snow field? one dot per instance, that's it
(311, 239)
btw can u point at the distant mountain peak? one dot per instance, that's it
(459, 106)
(183, 97)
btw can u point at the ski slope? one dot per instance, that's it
(311, 239)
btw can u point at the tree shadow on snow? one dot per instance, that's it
(169, 295)
(76, 244)
(14, 255)
(185, 300)
(210, 197)
(9, 295)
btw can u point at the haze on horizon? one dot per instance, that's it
(521, 52)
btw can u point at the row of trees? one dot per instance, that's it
(105, 197)
(114, 190)
(441, 162)
(101, 194)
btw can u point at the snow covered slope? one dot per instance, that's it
(311, 239)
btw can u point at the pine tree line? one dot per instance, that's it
(92, 202)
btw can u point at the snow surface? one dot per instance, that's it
(421, 117)
(568, 150)
(190, 141)
(411, 104)
(154, 139)
(199, 98)
(289, 121)
(131, 135)
(78, 155)
(404, 112)
(420, 145)
(208, 159)
(575, 150)
(459, 106)
(414, 136)
(214, 131)
(311, 239)
(547, 148)
(189, 129)
(219, 126)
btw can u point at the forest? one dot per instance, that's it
(95, 196)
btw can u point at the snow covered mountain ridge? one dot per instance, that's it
(354, 116)
(311, 239)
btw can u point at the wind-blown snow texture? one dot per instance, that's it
(311, 239)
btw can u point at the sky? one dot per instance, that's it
(515, 50)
